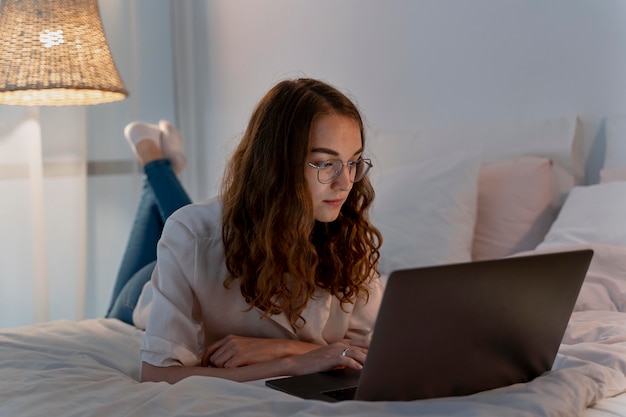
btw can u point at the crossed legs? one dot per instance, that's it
(160, 151)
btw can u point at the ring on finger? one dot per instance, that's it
(345, 352)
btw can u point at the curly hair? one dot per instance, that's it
(273, 244)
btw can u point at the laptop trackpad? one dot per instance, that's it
(311, 386)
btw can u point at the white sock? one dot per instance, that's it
(173, 145)
(135, 132)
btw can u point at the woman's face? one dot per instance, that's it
(332, 137)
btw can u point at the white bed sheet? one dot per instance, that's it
(91, 367)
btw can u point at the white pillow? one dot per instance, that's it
(426, 212)
(514, 206)
(604, 287)
(614, 168)
(558, 139)
(615, 148)
(591, 214)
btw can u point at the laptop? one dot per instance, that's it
(459, 329)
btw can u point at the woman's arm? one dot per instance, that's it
(235, 351)
(321, 359)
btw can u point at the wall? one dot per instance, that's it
(420, 64)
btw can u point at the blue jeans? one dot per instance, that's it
(161, 195)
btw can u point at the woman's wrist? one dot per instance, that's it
(297, 347)
(286, 366)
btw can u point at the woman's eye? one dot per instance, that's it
(324, 164)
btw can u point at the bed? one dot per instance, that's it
(516, 191)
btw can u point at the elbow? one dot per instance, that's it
(169, 374)
(147, 373)
(151, 373)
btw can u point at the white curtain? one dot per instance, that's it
(23, 248)
(42, 237)
(190, 82)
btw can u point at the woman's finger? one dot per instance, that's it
(364, 343)
(355, 353)
(214, 347)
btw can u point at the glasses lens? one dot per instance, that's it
(329, 173)
(361, 168)
(337, 168)
(356, 171)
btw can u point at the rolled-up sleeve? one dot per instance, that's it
(173, 330)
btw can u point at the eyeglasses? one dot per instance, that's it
(329, 171)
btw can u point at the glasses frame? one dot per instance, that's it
(333, 163)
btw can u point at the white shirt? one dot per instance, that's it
(185, 307)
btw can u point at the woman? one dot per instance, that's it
(278, 275)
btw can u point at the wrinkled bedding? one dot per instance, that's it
(91, 368)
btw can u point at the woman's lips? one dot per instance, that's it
(336, 203)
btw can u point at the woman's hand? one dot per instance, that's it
(234, 351)
(335, 355)
(315, 359)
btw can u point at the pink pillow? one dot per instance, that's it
(514, 206)
(612, 174)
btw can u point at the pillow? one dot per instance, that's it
(514, 206)
(615, 148)
(612, 174)
(591, 214)
(614, 168)
(426, 212)
(558, 139)
(604, 287)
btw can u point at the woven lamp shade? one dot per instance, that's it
(54, 53)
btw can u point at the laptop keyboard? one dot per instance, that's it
(342, 394)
